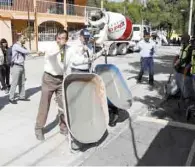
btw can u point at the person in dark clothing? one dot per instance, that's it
(6, 66)
(2, 70)
(182, 66)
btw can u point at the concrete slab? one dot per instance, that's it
(169, 146)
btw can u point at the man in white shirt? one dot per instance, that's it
(147, 50)
(82, 54)
(52, 83)
(79, 60)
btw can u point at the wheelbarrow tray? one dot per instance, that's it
(86, 108)
(117, 91)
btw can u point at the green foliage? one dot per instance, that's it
(170, 14)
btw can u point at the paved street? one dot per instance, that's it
(140, 137)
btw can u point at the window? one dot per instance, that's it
(6, 2)
(70, 1)
(136, 29)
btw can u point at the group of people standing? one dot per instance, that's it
(4, 66)
(184, 65)
(12, 62)
(61, 60)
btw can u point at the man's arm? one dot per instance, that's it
(78, 60)
(139, 45)
(20, 49)
(24, 51)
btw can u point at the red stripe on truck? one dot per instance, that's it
(128, 30)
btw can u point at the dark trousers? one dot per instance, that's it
(50, 84)
(2, 78)
(7, 75)
(147, 63)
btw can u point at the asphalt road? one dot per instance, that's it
(141, 137)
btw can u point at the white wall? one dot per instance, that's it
(6, 31)
(43, 45)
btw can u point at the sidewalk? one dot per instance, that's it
(18, 143)
(148, 142)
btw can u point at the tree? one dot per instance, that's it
(169, 14)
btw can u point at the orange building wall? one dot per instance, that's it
(19, 25)
(5, 30)
(80, 2)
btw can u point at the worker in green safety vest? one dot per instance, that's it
(183, 68)
(193, 56)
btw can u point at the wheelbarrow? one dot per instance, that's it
(117, 91)
(85, 107)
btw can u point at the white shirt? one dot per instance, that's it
(75, 58)
(1, 57)
(53, 64)
(145, 48)
(79, 57)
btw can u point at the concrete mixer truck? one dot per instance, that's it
(111, 28)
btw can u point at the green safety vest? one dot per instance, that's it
(193, 62)
(183, 54)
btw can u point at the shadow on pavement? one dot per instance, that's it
(170, 147)
(4, 100)
(123, 115)
(51, 125)
(31, 91)
(89, 146)
(133, 140)
(170, 109)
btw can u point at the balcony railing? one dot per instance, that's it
(17, 5)
(45, 6)
(50, 7)
(77, 10)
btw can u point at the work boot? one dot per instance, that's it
(139, 78)
(12, 101)
(63, 127)
(6, 91)
(113, 120)
(113, 116)
(151, 80)
(76, 146)
(39, 134)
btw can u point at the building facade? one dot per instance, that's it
(40, 18)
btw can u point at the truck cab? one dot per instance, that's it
(138, 32)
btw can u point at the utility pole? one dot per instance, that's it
(124, 10)
(28, 29)
(190, 18)
(36, 27)
(102, 4)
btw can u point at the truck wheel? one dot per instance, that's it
(122, 49)
(113, 50)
